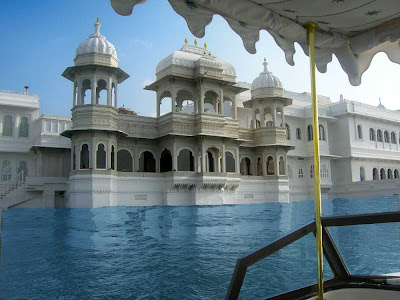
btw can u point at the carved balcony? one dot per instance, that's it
(266, 136)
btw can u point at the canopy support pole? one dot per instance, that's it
(317, 176)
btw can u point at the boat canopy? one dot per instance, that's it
(354, 31)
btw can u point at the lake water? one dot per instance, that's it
(179, 252)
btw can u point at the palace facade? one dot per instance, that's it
(213, 141)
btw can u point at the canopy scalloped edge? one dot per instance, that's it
(247, 18)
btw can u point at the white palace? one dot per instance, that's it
(221, 142)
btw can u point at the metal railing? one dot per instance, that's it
(10, 185)
(342, 276)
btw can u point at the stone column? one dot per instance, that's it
(223, 159)
(74, 96)
(237, 161)
(109, 88)
(203, 157)
(234, 108)
(201, 103)
(158, 106)
(174, 158)
(276, 164)
(92, 156)
(221, 103)
(273, 112)
(264, 164)
(283, 117)
(108, 154)
(94, 93)
(254, 119)
(262, 117)
(79, 93)
(115, 96)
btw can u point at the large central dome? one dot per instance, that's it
(96, 50)
(189, 59)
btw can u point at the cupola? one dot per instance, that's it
(266, 84)
(96, 50)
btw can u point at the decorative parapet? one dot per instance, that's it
(20, 93)
(53, 117)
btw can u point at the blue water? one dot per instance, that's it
(179, 252)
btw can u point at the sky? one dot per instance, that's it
(39, 39)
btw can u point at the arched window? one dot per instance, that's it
(359, 132)
(86, 86)
(230, 162)
(270, 166)
(310, 132)
(375, 174)
(298, 133)
(371, 134)
(396, 173)
(84, 157)
(287, 131)
(22, 168)
(101, 157)
(389, 174)
(165, 103)
(393, 137)
(245, 166)
(211, 102)
(259, 167)
(165, 161)
(8, 126)
(379, 135)
(383, 174)
(124, 161)
(147, 162)
(386, 135)
(101, 92)
(321, 133)
(362, 174)
(112, 158)
(185, 160)
(184, 102)
(282, 166)
(6, 171)
(74, 158)
(23, 127)
(228, 107)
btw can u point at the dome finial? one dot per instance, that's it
(265, 65)
(97, 26)
(195, 42)
(185, 41)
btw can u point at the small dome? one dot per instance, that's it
(192, 57)
(266, 80)
(96, 50)
(380, 105)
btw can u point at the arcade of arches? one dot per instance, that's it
(214, 160)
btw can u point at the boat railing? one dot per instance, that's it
(11, 184)
(331, 253)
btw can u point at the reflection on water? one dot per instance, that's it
(178, 252)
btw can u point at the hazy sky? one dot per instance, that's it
(39, 38)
